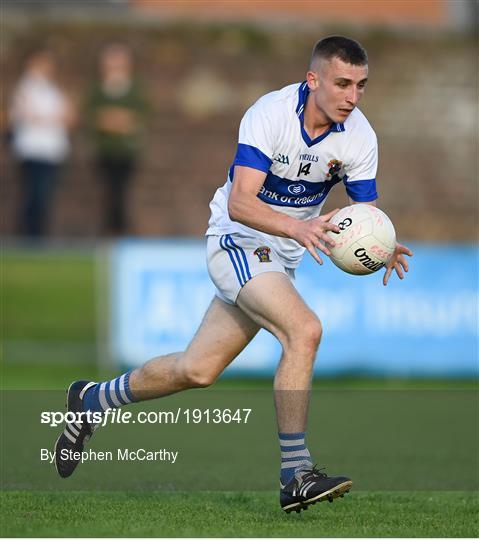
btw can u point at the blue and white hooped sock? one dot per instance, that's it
(108, 395)
(294, 454)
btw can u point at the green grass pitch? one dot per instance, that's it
(380, 514)
(49, 296)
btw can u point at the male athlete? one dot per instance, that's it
(294, 145)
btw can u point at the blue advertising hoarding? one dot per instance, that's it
(426, 325)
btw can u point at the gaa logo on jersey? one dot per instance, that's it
(296, 189)
(263, 253)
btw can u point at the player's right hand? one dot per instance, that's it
(311, 234)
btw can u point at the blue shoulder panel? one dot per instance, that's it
(250, 156)
(362, 190)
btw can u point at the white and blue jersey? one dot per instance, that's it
(300, 172)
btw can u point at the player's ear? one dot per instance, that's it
(312, 80)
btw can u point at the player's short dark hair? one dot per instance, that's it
(346, 49)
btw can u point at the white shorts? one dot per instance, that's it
(234, 259)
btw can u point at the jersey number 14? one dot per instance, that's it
(304, 169)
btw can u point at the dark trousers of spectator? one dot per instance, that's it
(39, 179)
(116, 174)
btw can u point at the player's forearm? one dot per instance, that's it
(252, 212)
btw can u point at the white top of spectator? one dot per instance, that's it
(38, 115)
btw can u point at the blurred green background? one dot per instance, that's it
(49, 320)
(53, 323)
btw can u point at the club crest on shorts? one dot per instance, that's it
(263, 253)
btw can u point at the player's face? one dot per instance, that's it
(336, 88)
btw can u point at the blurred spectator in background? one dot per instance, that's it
(117, 112)
(40, 116)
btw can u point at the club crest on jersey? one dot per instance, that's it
(334, 166)
(263, 254)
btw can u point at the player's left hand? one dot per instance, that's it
(397, 262)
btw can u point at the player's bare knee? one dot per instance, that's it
(313, 332)
(196, 377)
(307, 337)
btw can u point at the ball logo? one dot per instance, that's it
(296, 189)
(366, 261)
(343, 225)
